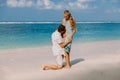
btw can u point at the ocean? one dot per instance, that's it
(30, 34)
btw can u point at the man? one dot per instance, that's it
(58, 47)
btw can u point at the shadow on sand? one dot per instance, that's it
(75, 61)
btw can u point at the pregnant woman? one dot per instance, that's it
(70, 23)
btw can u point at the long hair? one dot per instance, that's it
(72, 22)
(61, 29)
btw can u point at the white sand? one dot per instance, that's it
(90, 61)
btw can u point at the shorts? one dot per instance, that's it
(68, 48)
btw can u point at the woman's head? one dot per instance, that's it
(67, 14)
(62, 30)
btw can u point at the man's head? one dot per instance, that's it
(62, 30)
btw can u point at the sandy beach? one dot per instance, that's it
(98, 60)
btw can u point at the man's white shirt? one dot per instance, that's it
(56, 40)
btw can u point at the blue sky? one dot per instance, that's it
(52, 10)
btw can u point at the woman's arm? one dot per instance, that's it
(74, 29)
(63, 22)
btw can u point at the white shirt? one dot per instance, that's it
(56, 40)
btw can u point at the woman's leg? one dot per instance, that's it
(67, 58)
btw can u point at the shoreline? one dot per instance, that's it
(50, 45)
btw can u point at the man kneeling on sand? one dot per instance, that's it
(58, 48)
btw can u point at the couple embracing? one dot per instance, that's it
(61, 41)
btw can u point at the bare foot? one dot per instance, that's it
(59, 68)
(43, 67)
(67, 67)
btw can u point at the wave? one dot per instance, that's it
(48, 22)
(28, 22)
(97, 22)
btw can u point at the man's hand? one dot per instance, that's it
(63, 44)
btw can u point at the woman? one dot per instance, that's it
(58, 47)
(70, 24)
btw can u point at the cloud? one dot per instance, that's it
(80, 4)
(111, 1)
(103, 1)
(49, 4)
(114, 1)
(41, 4)
(113, 10)
(20, 3)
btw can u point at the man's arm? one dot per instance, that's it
(63, 44)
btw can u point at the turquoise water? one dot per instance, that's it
(39, 34)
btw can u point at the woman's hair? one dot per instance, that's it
(61, 29)
(72, 22)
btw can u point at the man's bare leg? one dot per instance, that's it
(54, 67)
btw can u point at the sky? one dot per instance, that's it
(52, 10)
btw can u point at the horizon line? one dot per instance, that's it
(55, 22)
